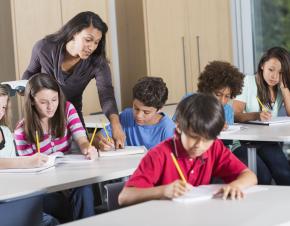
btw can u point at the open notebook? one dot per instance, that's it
(53, 159)
(206, 192)
(273, 121)
(128, 150)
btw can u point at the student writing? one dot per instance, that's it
(271, 85)
(198, 152)
(144, 123)
(58, 124)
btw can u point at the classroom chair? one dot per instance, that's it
(22, 211)
(113, 190)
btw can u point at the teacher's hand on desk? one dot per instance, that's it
(118, 134)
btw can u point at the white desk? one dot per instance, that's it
(92, 121)
(277, 133)
(67, 176)
(269, 207)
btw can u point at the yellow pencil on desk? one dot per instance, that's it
(37, 142)
(178, 168)
(262, 106)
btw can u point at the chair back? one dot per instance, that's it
(113, 191)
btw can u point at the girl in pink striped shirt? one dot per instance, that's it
(57, 123)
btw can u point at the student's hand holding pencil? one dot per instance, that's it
(105, 144)
(91, 152)
(176, 189)
(265, 114)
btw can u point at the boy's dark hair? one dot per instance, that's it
(218, 75)
(151, 91)
(202, 114)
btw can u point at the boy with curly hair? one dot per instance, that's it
(225, 82)
(144, 123)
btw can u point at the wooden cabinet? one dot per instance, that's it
(171, 39)
(25, 22)
(210, 36)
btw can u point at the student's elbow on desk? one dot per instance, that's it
(124, 197)
(247, 178)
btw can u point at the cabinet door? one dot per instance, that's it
(33, 19)
(165, 33)
(209, 33)
(69, 9)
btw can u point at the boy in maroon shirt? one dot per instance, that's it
(200, 155)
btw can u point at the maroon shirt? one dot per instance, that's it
(47, 57)
(157, 167)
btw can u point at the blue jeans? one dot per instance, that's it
(271, 162)
(72, 204)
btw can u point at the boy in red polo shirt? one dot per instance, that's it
(200, 155)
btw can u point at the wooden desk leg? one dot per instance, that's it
(252, 159)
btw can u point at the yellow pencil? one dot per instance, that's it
(262, 106)
(37, 142)
(107, 134)
(178, 168)
(94, 133)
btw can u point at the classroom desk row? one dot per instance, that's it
(270, 207)
(65, 176)
(250, 132)
(97, 120)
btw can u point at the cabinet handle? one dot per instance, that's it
(198, 54)
(184, 65)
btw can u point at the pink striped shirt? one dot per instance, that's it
(50, 144)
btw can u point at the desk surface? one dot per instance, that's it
(65, 176)
(278, 133)
(269, 207)
(92, 121)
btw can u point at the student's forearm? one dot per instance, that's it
(132, 195)
(245, 179)
(83, 143)
(11, 163)
(244, 117)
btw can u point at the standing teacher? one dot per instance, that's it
(74, 55)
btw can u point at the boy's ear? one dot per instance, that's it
(177, 128)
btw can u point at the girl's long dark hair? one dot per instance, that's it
(31, 117)
(263, 91)
(77, 24)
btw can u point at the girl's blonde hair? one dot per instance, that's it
(5, 120)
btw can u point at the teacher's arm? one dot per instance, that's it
(108, 103)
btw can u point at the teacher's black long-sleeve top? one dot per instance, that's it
(47, 58)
